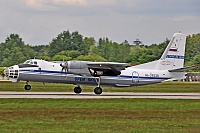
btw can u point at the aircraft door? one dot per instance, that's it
(135, 77)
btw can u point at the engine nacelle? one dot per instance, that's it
(77, 64)
(74, 64)
(76, 67)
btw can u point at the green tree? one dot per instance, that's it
(192, 47)
(61, 58)
(139, 55)
(14, 51)
(93, 49)
(104, 48)
(67, 41)
(89, 41)
(91, 57)
(70, 53)
(113, 51)
(195, 62)
(41, 52)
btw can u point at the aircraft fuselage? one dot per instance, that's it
(44, 71)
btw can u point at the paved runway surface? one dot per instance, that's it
(103, 95)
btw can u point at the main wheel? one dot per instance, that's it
(77, 90)
(98, 90)
(27, 87)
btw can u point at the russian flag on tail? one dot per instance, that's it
(173, 49)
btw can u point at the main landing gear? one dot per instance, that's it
(77, 90)
(97, 90)
(27, 87)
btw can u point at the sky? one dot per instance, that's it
(152, 21)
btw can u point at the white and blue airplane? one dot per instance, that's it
(168, 67)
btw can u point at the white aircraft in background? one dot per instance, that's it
(168, 67)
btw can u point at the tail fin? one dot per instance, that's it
(173, 56)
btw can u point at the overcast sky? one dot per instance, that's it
(39, 21)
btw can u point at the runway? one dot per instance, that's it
(90, 95)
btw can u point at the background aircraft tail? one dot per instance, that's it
(173, 56)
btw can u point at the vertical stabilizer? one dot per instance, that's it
(173, 56)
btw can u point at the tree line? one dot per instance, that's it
(73, 46)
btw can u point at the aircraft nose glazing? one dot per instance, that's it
(12, 72)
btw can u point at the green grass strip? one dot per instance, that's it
(99, 115)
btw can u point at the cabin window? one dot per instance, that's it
(35, 62)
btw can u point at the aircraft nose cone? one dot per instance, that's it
(12, 72)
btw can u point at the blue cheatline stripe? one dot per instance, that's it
(43, 71)
(121, 76)
(175, 56)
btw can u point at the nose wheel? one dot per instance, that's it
(27, 87)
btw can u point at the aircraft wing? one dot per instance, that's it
(106, 68)
(183, 69)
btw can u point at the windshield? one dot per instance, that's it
(30, 62)
(26, 62)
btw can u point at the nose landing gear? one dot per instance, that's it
(27, 87)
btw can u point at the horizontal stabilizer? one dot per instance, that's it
(183, 69)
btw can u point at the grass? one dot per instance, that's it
(99, 115)
(161, 87)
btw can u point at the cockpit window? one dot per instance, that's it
(27, 62)
(30, 62)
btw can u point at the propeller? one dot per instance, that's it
(64, 66)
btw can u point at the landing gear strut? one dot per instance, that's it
(27, 86)
(77, 90)
(98, 89)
